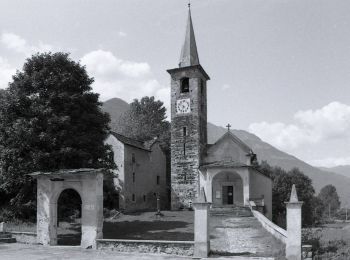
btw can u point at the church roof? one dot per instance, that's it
(130, 141)
(224, 164)
(234, 138)
(189, 54)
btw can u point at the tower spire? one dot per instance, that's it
(189, 54)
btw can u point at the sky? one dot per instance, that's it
(279, 68)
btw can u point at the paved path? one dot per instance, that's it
(242, 236)
(35, 252)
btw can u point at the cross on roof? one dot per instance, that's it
(228, 127)
(189, 3)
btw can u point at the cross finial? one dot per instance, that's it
(228, 127)
(189, 4)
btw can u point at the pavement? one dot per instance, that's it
(242, 235)
(19, 251)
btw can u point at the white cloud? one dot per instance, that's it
(104, 64)
(18, 44)
(225, 87)
(122, 34)
(6, 72)
(116, 77)
(330, 161)
(311, 127)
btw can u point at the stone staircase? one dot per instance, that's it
(236, 232)
(6, 238)
(234, 211)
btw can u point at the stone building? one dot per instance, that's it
(141, 173)
(223, 170)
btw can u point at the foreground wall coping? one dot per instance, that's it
(271, 227)
(21, 232)
(146, 241)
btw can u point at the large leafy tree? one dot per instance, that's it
(50, 119)
(330, 199)
(282, 186)
(145, 120)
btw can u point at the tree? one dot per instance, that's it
(281, 189)
(330, 199)
(50, 119)
(145, 120)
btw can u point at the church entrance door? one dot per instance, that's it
(227, 195)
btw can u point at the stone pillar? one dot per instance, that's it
(246, 187)
(92, 211)
(2, 227)
(43, 214)
(293, 246)
(201, 227)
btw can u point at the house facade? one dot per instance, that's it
(140, 176)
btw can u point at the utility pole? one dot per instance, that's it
(329, 211)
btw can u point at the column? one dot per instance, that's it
(293, 246)
(201, 227)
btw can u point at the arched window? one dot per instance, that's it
(185, 85)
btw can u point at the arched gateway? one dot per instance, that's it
(89, 184)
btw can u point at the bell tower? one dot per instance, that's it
(188, 121)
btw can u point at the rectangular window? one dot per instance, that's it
(133, 159)
(184, 147)
(133, 197)
(184, 130)
(133, 177)
(144, 198)
(158, 179)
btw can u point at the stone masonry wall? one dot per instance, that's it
(184, 165)
(182, 248)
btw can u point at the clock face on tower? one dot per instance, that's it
(183, 106)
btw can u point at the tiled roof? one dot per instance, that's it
(130, 141)
(225, 164)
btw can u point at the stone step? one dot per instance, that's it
(242, 237)
(231, 211)
(5, 235)
(8, 240)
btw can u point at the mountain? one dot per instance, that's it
(341, 169)
(115, 107)
(264, 151)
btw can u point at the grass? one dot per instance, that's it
(174, 225)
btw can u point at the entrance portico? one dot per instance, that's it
(225, 186)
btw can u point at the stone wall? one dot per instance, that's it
(184, 165)
(183, 248)
(272, 228)
(24, 237)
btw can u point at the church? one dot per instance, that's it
(223, 171)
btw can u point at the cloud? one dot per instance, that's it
(310, 127)
(105, 64)
(122, 34)
(117, 77)
(18, 44)
(6, 72)
(330, 161)
(225, 87)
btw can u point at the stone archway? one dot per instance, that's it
(89, 184)
(69, 218)
(227, 189)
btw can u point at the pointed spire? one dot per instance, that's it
(189, 54)
(293, 195)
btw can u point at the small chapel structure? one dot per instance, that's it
(225, 170)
